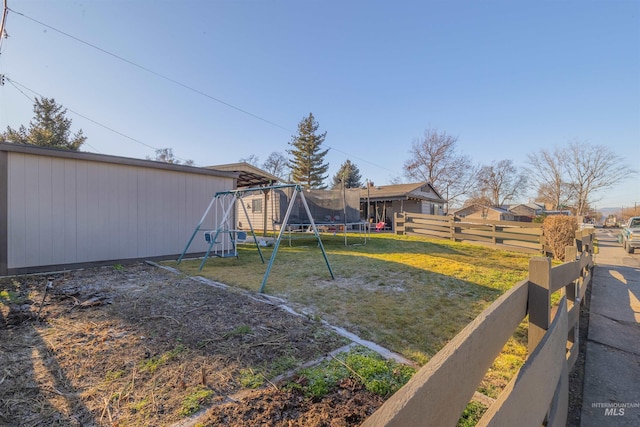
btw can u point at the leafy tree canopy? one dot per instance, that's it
(307, 157)
(49, 128)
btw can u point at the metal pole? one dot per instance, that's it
(285, 221)
(253, 233)
(206, 212)
(2, 23)
(344, 206)
(46, 289)
(225, 220)
(315, 230)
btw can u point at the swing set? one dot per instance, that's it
(222, 241)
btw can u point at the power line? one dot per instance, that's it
(148, 70)
(176, 82)
(15, 84)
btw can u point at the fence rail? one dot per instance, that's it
(438, 393)
(520, 236)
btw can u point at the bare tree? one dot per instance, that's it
(547, 173)
(593, 168)
(434, 159)
(277, 164)
(501, 182)
(252, 159)
(166, 155)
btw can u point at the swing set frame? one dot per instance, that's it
(226, 236)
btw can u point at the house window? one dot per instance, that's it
(256, 206)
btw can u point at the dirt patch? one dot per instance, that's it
(138, 345)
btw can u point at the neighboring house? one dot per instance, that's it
(380, 203)
(262, 206)
(64, 209)
(267, 211)
(525, 212)
(477, 211)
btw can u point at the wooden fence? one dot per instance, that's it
(519, 236)
(439, 392)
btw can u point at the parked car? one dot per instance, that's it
(631, 234)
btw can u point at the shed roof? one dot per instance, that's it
(106, 158)
(249, 175)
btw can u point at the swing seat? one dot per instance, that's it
(241, 237)
(380, 226)
(209, 235)
(223, 254)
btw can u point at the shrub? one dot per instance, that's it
(559, 232)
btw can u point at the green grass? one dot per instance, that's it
(377, 375)
(153, 363)
(410, 294)
(198, 397)
(9, 296)
(471, 415)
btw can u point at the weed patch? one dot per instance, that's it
(377, 375)
(196, 399)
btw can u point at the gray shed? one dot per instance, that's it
(62, 209)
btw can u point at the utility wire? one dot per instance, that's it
(16, 84)
(176, 82)
(148, 70)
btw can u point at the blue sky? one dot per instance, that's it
(507, 78)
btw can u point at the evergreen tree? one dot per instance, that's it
(49, 128)
(307, 162)
(349, 174)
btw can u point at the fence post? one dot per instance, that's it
(452, 227)
(539, 299)
(400, 223)
(573, 294)
(578, 240)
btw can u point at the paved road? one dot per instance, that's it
(611, 394)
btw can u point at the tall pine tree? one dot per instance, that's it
(307, 158)
(349, 174)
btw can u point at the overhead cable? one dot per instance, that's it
(16, 84)
(176, 82)
(148, 70)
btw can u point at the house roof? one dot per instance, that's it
(477, 206)
(249, 175)
(402, 192)
(532, 206)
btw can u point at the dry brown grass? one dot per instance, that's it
(150, 348)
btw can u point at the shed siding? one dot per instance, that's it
(69, 211)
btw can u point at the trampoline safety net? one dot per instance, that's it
(326, 206)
